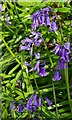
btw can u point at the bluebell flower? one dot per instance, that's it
(57, 49)
(48, 21)
(34, 14)
(62, 53)
(37, 55)
(42, 19)
(42, 71)
(20, 108)
(39, 19)
(29, 104)
(67, 56)
(26, 41)
(34, 24)
(39, 68)
(56, 76)
(37, 39)
(12, 105)
(34, 34)
(26, 44)
(61, 64)
(53, 26)
(34, 97)
(36, 67)
(37, 23)
(34, 20)
(32, 103)
(37, 42)
(67, 45)
(28, 47)
(48, 101)
(46, 10)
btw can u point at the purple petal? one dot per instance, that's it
(20, 108)
(61, 64)
(24, 47)
(67, 56)
(12, 105)
(56, 76)
(48, 101)
(46, 9)
(47, 20)
(39, 101)
(34, 14)
(37, 55)
(42, 72)
(39, 19)
(34, 99)
(42, 20)
(67, 45)
(62, 53)
(57, 48)
(36, 67)
(53, 26)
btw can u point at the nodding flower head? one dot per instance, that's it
(42, 18)
(39, 68)
(61, 64)
(67, 45)
(48, 101)
(57, 49)
(37, 55)
(62, 51)
(56, 76)
(26, 44)
(42, 71)
(33, 103)
(53, 26)
(20, 108)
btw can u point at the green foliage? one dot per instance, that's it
(12, 60)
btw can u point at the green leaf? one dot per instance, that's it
(4, 114)
(63, 10)
(14, 68)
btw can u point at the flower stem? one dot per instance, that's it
(67, 86)
(55, 99)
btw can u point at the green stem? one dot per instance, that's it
(67, 86)
(55, 99)
(48, 53)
